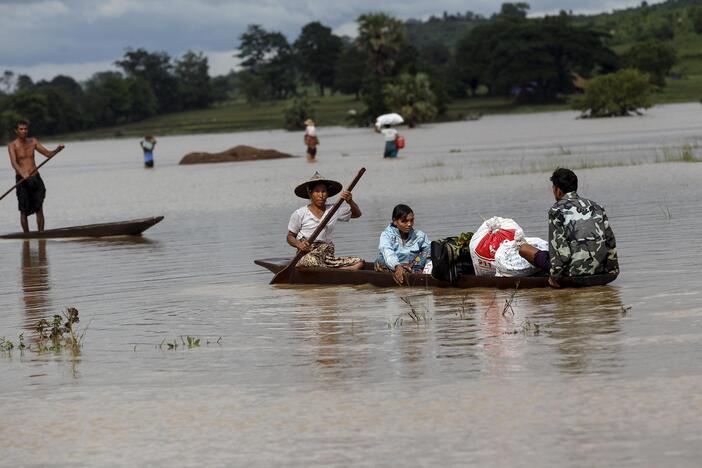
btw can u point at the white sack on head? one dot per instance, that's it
(508, 262)
(389, 119)
(487, 239)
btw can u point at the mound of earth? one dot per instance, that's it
(238, 153)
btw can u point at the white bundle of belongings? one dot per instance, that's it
(388, 119)
(487, 239)
(508, 262)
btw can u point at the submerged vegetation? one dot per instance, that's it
(415, 314)
(56, 335)
(685, 153)
(187, 342)
(537, 168)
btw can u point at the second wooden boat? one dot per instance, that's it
(132, 227)
(385, 279)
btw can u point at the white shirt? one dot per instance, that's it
(303, 222)
(390, 134)
(311, 130)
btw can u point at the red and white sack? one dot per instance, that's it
(508, 262)
(487, 239)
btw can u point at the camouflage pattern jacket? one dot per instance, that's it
(580, 240)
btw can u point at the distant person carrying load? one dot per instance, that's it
(311, 140)
(580, 239)
(147, 145)
(30, 189)
(393, 140)
(390, 135)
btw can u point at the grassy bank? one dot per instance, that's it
(334, 110)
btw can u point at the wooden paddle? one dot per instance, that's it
(283, 276)
(30, 175)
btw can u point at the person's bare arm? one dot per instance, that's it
(13, 160)
(355, 210)
(46, 152)
(300, 245)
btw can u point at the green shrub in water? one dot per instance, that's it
(616, 94)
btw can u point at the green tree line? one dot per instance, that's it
(385, 67)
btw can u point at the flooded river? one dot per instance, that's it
(319, 376)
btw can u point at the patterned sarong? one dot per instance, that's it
(322, 255)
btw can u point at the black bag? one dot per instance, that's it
(450, 258)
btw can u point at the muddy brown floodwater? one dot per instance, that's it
(319, 376)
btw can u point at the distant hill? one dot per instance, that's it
(439, 31)
(672, 21)
(626, 25)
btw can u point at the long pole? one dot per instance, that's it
(30, 175)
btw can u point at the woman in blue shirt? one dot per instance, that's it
(402, 248)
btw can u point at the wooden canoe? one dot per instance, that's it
(133, 227)
(385, 279)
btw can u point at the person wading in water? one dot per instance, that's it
(31, 192)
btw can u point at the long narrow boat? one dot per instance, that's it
(133, 227)
(314, 275)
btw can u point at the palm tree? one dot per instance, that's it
(381, 37)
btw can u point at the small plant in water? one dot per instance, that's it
(462, 313)
(563, 151)
(414, 314)
(56, 335)
(508, 302)
(530, 328)
(684, 153)
(60, 333)
(6, 346)
(188, 342)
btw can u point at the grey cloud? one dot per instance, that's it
(77, 31)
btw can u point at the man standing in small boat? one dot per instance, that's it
(580, 239)
(31, 192)
(305, 220)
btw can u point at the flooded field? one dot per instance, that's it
(319, 376)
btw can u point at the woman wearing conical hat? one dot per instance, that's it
(305, 220)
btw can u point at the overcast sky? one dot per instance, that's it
(43, 38)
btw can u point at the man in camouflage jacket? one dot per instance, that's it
(580, 239)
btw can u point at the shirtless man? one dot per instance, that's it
(31, 192)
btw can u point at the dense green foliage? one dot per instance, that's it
(652, 57)
(298, 110)
(269, 64)
(616, 94)
(150, 83)
(412, 97)
(530, 59)
(318, 51)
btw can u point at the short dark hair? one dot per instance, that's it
(21, 122)
(565, 179)
(401, 211)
